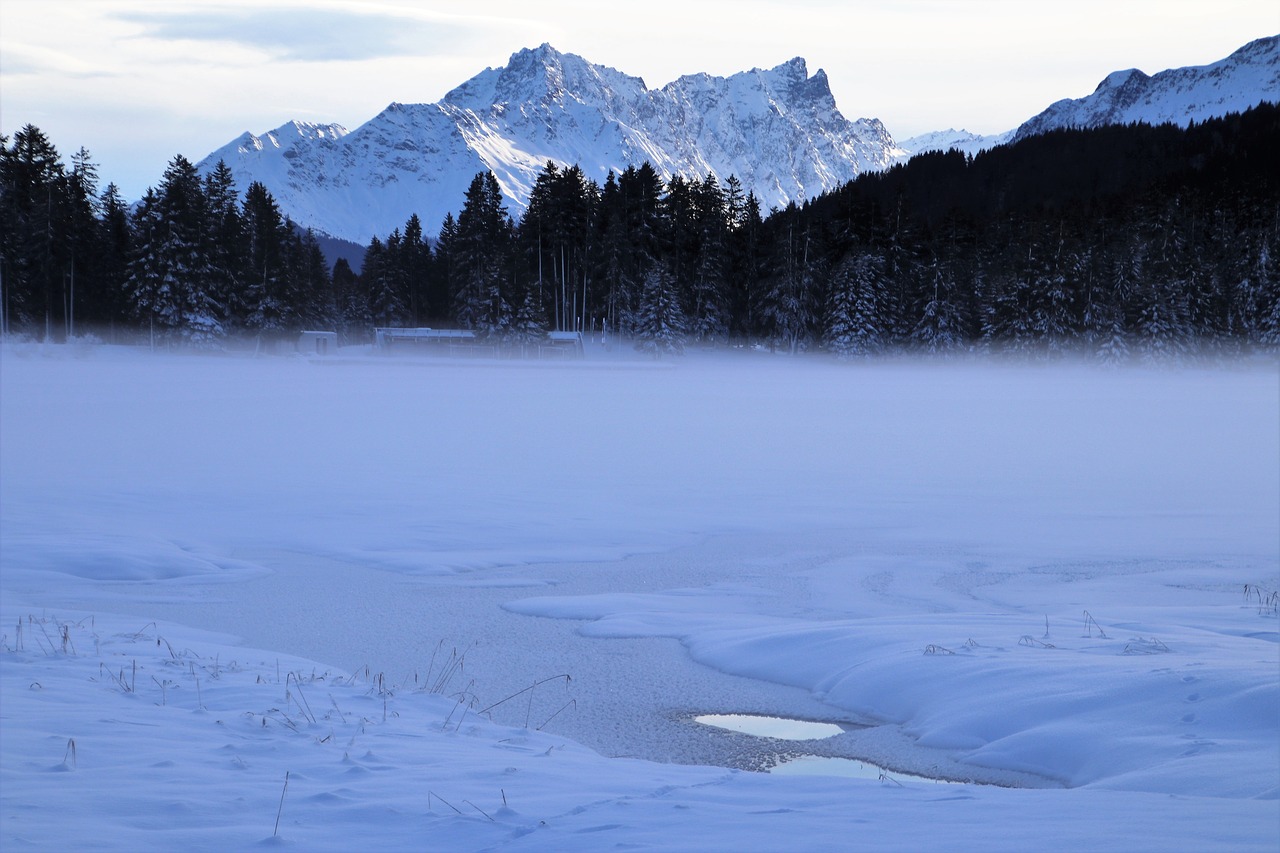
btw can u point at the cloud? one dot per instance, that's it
(301, 35)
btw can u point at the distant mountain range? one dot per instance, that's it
(945, 140)
(778, 130)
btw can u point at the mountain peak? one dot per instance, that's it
(543, 51)
(527, 60)
(539, 75)
(1119, 79)
(794, 71)
(795, 65)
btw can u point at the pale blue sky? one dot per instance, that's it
(136, 82)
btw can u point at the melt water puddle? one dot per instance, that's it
(781, 728)
(775, 727)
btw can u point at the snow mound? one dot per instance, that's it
(106, 557)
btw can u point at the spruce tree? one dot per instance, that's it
(853, 325)
(267, 298)
(479, 257)
(32, 196)
(529, 324)
(747, 256)
(227, 245)
(311, 290)
(940, 329)
(1264, 289)
(415, 266)
(612, 267)
(84, 285)
(115, 243)
(791, 291)
(660, 324)
(709, 321)
(352, 318)
(171, 283)
(378, 281)
(443, 277)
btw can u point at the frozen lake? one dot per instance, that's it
(905, 547)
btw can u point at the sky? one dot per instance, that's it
(137, 82)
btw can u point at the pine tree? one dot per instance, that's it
(853, 325)
(415, 270)
(32, 188)
(660, 324)
(940, 328)
(640, 190)
(266, 298)
(1050, 291)
(1125, 271)
(709, 320)
(443, 277)
(480, 255)
(115, 243)
(1264, 292)
(351, 306)
(227, 245)
(171, 284)
(1162, 328)
(678, 237)
(792, 289)
(144, 271)
(746, 271)
(556, 235)
(311, 287)
(84, 286)
(612, 268)
(529, 324)
(1160, 331)
(378, 279)
(1112, 348)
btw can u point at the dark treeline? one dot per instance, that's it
(1118, 242)
(192, 263)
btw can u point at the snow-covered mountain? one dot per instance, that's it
(946, 140)
(1178, 95)
(778, 130)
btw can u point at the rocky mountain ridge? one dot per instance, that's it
(777, 130)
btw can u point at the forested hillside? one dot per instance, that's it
(1118, 242)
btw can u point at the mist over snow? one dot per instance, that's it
(906, 548)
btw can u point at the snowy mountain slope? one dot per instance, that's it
(1178, 95)
(778, 130)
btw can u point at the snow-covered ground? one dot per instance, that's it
(477, 606)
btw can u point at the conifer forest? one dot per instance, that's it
(1116, 243)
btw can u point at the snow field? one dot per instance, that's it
(908, 547)
(191, 749)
